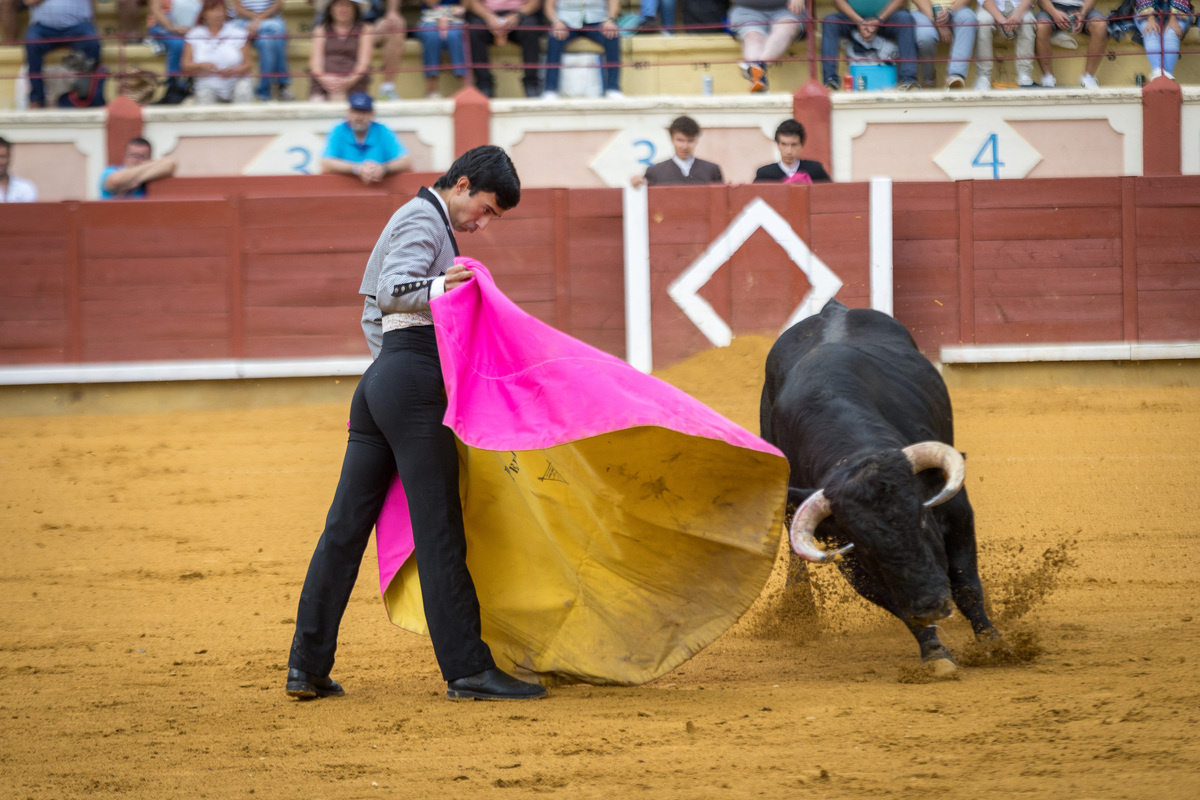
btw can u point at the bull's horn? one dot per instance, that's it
(926, 455)
(804, 526)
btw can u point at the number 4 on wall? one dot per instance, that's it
(991, 147)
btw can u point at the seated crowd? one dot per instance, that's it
(237, 50)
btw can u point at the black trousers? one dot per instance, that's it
(529, 40)
(396, 427)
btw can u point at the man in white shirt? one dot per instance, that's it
(12, 188)
(683, 167)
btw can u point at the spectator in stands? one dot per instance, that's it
(440, 31)
(1070, 16)
(497, 22)
(12, 188)
(263, 22)
(650, 9)
(10, 21)
(131, 17)
(766, 29)
(128, 179)
(172, 20)
(683, 167)
(54, 24)
(1011, 18)
(389, 31)
(705, 16)
(953, 23)
(868, 19)
(790, 138)
(217, 53)
(592, 19)
(340, 59)
(362, 147)
(1163, 24)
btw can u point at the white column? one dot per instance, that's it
(881, 245)
(638, 339)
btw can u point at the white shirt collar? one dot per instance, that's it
(684, 166)
(438, 195)
(789, 171)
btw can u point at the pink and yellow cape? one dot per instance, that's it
(615, 525)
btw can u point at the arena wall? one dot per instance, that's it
(269, 267)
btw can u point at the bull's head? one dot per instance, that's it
(877, 504)
(922, 456)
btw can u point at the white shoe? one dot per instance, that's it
(1024, 80)
(1156, 73)
(1048, 82)
(1064, 40)
(613, 94)
(387, 91)
(549, 95)
(982, 84)
(1168, 75)
(1088, 81)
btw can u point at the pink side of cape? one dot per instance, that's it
(515, 383)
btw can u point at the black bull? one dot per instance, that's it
(846, 392)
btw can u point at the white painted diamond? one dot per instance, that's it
(987, 148)
(824, 284)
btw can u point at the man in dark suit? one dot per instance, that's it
(396, 427)
(790, 137)
(683, 167)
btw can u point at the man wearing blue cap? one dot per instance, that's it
(362, 147)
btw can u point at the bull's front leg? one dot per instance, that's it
(965, 586)
(932, 650)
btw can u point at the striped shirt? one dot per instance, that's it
(61, 13)
(415, 248)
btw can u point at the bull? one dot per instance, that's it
(865, 422)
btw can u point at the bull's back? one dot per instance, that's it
(855, 372)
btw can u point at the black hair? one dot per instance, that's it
(685, 125)
(489, 169)
(790, 127)
(139, 140)
(5, 143)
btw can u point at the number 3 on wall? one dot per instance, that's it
(990, 144)
(646, 146)
(302, 159)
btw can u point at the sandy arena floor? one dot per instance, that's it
(152, 563)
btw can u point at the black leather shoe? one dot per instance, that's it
(304, 686)
(492, 684)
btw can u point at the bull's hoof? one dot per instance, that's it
(931, 671)
(941, 667)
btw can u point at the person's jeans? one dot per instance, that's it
(898, 28)
(271, 44)
(40, 39)
(962, 23)
(432, 45)
(1163, 51)
(650, 9)
(173, 45)
(610, 75)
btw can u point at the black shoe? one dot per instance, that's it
(832, 86)
(304, 686)
(492, 684)
(533, 91)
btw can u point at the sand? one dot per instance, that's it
(152, 563)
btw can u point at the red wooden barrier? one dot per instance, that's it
(270, 267)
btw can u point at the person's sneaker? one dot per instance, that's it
(1088, 81)
(955, 82)
(1064, 40)
(387, 91)
(533, 91)
(908, 87)
(1048, 82)
(756, 73)
(286, 95)
(549, 94)
(983, 84)
(1156, 73)
(614, 94)
(433, 94)
(1024, 80)
(832, 86)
